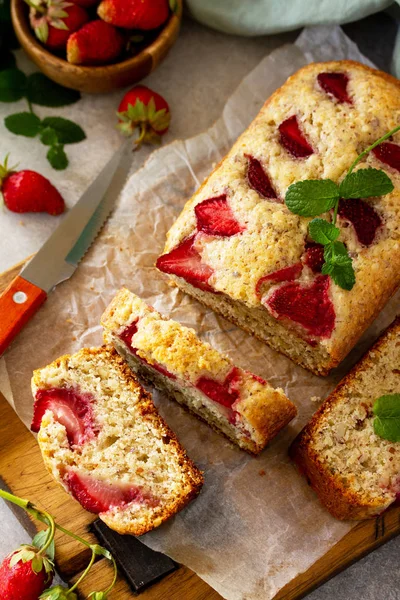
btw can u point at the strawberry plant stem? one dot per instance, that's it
(374, 145)
(85, 572)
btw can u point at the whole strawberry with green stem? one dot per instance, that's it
(28, 571)
(28, 191)
(53, 21)
(145, 110)
(134, 14)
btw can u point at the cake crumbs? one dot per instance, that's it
(315, 398)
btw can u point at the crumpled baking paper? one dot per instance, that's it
(256, 524)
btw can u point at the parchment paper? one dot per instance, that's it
(256, 524)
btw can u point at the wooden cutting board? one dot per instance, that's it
(22, 469)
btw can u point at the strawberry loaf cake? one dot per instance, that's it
(235, 402)
(237, 248)
(103, 440)
(355, 471)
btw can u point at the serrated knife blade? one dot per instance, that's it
(59, 257)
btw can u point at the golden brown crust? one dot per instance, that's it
(341, 502)
(148, 412)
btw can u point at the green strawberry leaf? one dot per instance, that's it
(24, 123)
(48, 136)
(98, 595)
(58, 592)
(67, 131)
(12, 85)
(387, 417)
(39, 541)
(174, 6)
(41, 90)
(37, 564)
(366, 183)
(312, 197)
(57, 157)
(323, 232)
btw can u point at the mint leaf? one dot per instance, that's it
(322, 231)
(67, 131)
(366, 183)
(12, 85)
(387, 417)
(57, 157)
(43, 91)
(24, 123)
(312, 197)
(338, 265)
(48, 136)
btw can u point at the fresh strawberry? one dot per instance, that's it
(69, 408)
(96, 43)
(22, 579)
(99, 496)
(308, 305)
(225, 393)
(286, 274)
(28, 191)
(292, 138)
(389, 154)
(53, 21)
(314, 256)
(147, 110)
(215, 217)
(258, 180)
(363, 217)
(126, 336)
(185, 261)
(134, 14)
(335, 84)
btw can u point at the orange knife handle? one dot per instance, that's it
(18, 303)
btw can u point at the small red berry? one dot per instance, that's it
(147, 110)
(134, 14)
(96, 43)
(53, 21)
(20, 581)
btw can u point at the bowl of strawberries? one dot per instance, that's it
(96, 46)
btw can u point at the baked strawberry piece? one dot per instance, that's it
(293, 139)
(103, 440)
(335, 85)
(235, 402)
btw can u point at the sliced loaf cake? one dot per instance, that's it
(103, 440)
(355, 472)
(235, 402)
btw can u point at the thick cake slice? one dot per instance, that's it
(103, 440)
(237, 247)
(239, 404)
(355, 472)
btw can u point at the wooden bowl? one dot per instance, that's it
(99, 79)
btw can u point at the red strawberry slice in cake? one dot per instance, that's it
(215, 217)
(389, 154)
(306, 305)
(126, 336)
(363, 217)
(99, 496)
(286, 274)
(185, 261)
(335, 84)
(314, 256)
(70, 408)
(293, 139)
(225, 393)
(258, 180)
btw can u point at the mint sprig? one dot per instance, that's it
(387, 417)
(38, 89)
(314, 197)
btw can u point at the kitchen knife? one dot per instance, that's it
(58, 258)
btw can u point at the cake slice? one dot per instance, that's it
(237, 248)
(355, 473)
(103, 440)
(235, 402)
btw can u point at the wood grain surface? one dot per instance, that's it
(23, 471)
